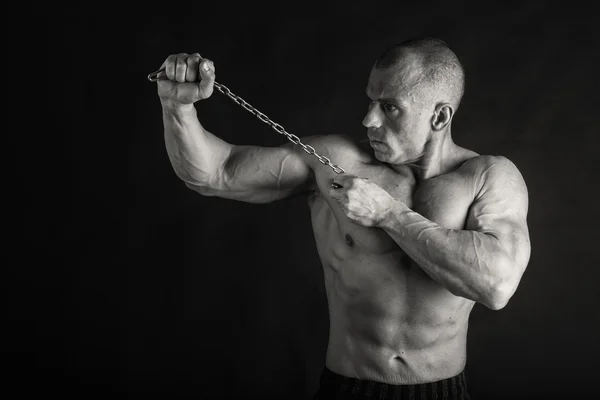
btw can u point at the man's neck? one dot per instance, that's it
(437, 158)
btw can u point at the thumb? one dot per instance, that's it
(207, 78)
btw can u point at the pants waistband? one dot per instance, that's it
(335, 386)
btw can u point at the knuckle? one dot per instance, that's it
(209, 64)
(206, 64)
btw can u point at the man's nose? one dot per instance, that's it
(372, 119)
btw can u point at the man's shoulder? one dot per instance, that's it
(486, 163)
(337, 147)
(491, 170)
(336, 141)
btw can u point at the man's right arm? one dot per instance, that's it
(208, 164)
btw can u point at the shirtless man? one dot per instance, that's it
(413, 234)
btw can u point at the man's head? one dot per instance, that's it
(415, 87)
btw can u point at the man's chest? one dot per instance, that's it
(444, 200)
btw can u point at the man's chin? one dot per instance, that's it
(380, 156)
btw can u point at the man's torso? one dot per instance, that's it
(389, 321)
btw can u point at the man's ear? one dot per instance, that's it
(441, 116)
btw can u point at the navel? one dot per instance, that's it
(349, 240)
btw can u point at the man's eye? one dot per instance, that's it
(389, 107)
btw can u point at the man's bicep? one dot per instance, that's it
(263, 174)
(500, 209)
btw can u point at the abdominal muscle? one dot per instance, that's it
(389, 322)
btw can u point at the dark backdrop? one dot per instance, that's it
(135, 286)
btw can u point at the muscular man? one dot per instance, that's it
(413, 234)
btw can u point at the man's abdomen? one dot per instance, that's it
(391, 323)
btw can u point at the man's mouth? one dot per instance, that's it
(376, 144)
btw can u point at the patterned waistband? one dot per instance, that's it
(335, 386)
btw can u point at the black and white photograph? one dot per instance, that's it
(369, 200)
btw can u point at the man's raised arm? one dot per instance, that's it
(208, 164)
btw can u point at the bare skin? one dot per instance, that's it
(389, 321)
(418, 231)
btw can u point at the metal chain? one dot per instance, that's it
(278, 128)
(153, 77)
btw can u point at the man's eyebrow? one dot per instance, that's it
(391, 100)
(387, 100)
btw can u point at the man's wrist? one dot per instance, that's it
(394, 216)
(177, 108)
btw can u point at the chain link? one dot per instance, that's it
(278, 128)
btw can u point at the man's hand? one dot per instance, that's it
(363, 201)
(190, 78)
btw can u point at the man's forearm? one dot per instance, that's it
(468, 263)
(197, 156)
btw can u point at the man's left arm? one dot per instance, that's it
(485, 261)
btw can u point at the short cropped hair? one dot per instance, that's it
(438, 63)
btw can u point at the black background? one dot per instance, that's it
(130, 285)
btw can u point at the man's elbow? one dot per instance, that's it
(502, 288)
(500, 292)
(201, 189)
(497, 299)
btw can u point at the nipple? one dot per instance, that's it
(349, 240)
